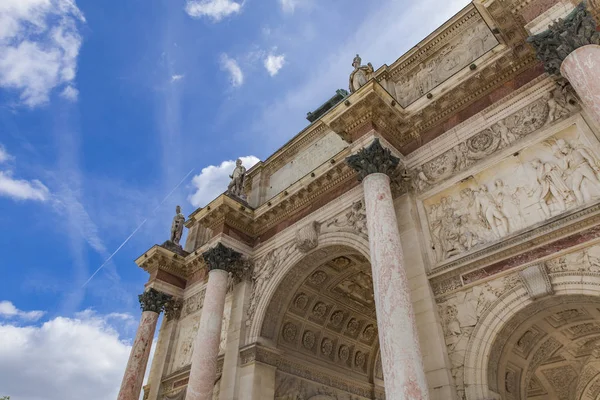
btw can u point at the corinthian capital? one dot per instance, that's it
(576, 30)
(153, 300)
(222, 257)
(373, 159)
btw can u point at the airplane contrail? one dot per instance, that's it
(135, 230)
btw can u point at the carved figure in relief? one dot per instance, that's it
(361, 74)
(236, 186)
(490, 211)
(506, 136)
(509, 203)
(580, 165)
(550, 186)
(555, 109)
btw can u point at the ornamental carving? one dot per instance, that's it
(369, 333)
(337, 318)
(374, 159)
(222, 257)
(355, 219)
(301, 301)
(344, 353)
(173, 308)
(307, 238)
(360, 359)
(319, 310)
(327, 347)
(153, 300)
(552, 46)
(318, 278)
(536, 280)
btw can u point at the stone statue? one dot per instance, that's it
(236, 186)
(177, 226)
(360, 75)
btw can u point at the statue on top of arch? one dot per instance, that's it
(360, 75)
(238, 177)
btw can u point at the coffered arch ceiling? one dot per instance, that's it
(330, 319)
(550, 351)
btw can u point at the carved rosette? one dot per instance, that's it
(173, 309)
(224, 258)
(374, 159)
(153, 300)
(552, 46)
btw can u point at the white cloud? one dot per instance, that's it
(20, 189)
(213, 180)
(8, 310)
(274, 63)
(70, 93)
(215, 9)
(235, 72)
(63, 359)
(4, 156)
(288, 6)
(176, 78)
(39, 46)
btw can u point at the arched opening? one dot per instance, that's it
(548, 350)
(322, 315)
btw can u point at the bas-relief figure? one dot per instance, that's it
(542, 181)
(177, 226)
(499, 135)
(236, 186)
(360, 75)
(456, 55)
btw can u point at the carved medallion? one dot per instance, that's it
(369, 333)
(352, 327)
(337, 318)
(289, 332)
(308, 340)
(319, 310)
(344, 353)
(317, 278)
(359, 359)
(326, 347)
(301, 301)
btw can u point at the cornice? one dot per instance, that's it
(159, 258)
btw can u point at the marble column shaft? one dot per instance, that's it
(206, 345)
(582, 68)
(131, 385)
(160, 356)
(400, 351)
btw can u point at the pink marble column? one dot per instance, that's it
(206, 345)
(131, 385)
(152, 303)
(400, 351)
(582, 68)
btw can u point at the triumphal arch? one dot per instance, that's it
(431, 234)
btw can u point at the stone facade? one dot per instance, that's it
(434, 235)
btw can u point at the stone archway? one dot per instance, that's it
(322, 315)
(516, 339)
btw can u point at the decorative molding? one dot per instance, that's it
(153, 300)
(536, 280)
(373, 159)
(552, 46)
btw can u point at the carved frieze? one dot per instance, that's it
(543, 180)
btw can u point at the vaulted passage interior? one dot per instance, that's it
(549, 350)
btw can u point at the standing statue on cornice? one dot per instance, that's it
(177, 226)
(360, 75)
(236, 186)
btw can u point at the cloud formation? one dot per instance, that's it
(39, 46)
(288, 6)
(232, 67)
(9, 311)
(274, 63)
(85, 355)
(213, 180)
(215, 9)
(19, 189)
(175, 78)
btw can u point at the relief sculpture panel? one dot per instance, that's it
(544, 180)
(460, 52)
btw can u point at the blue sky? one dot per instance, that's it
(105, 106)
